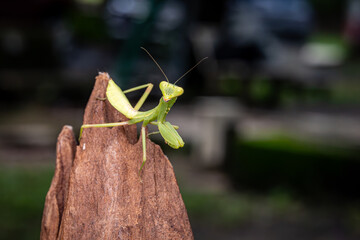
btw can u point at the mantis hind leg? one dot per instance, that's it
(143, 137)
(102, 125)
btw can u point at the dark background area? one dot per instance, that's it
(271, 120)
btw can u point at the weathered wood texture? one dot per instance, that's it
(96, 192)
(56, 196)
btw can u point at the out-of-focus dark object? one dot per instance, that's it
(27, 53)
(122, 16)
(25, 32)
(352, 25)
(266, 39)
(31, 11)
(252, 26)
(286, 19)
(157, 25)
(308, 169)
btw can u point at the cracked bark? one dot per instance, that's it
(96, 192)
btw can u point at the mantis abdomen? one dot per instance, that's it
(119, 101)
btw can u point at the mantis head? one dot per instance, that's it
(170, 90)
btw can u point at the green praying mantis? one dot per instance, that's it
(156, 116)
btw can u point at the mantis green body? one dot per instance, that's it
(156, 116)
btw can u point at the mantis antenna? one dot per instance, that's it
(155, 63)
(190, 70)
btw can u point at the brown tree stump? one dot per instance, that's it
(96, 192)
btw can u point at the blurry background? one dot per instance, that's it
(270, 120)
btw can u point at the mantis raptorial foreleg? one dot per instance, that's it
(158, 132)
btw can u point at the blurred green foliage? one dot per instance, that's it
(261, 91)
(346, 93)
(230, 84)
(217, 209)
(307, 169)
(88, 27)
(22, 197)
(331, 38)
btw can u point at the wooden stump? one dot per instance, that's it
(96, 192)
